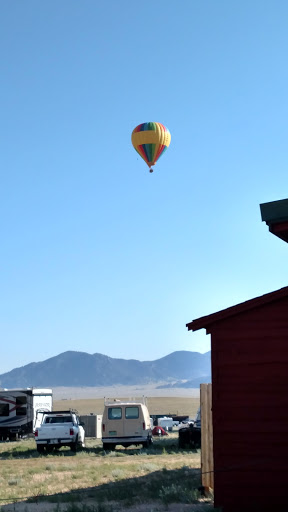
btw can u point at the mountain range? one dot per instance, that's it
(76, 369)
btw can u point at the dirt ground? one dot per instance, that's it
(146, 507)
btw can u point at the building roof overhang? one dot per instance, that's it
(206, 322)
(275, 214)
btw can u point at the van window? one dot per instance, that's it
(132, 413)
(114, 413)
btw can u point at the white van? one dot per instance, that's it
(125, 423)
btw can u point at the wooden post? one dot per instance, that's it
(207, 465)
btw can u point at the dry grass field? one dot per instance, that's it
(164, 405)
(160, 478)
(164, 401)
(157, 479)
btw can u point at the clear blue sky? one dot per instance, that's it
(98, 255)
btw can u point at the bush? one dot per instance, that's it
(177, 494)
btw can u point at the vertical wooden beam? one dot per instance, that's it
(210, 436)
(207, 465)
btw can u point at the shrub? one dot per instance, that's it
(177, 494)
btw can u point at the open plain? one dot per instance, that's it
(174, 401)
(161, 478)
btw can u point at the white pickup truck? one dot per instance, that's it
(60, 428)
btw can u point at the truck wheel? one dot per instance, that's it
(182, 444)
(147, 443)
(40, 448)
(73, 446)
(109, 446)
(82, 443)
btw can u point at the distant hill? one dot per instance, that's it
(76, 369)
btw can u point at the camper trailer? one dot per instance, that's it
(21, 411)
(125, 423)
(166, 423)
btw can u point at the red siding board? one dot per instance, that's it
(227, 368)
(263, 442)
(258, 496)
(252, 353)
(248, 478)
(257, 456)
(265, 399)
(244, 422)
(251, 488)
(253, 342)
(256, 505)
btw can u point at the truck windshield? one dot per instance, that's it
(59, 419)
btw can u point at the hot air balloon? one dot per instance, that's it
(150, 140)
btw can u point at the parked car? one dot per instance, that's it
(60, 428)
(190, 434)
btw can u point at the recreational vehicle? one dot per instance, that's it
(21, 411)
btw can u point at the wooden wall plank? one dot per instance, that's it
(207, 466)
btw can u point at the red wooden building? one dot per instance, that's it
(249, 355)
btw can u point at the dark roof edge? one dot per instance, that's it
(274, 211)
(205, 321)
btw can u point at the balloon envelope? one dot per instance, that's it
(151, 140)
